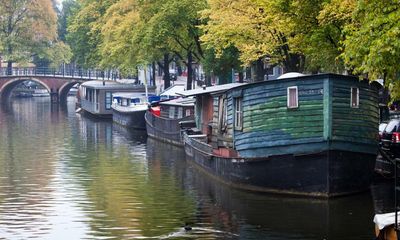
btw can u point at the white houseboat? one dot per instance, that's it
(96, 96)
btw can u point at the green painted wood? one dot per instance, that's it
(324, 117)
(354, 125)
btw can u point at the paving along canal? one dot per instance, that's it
(67, 176)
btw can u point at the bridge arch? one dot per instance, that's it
(64, 89)
(7, 88)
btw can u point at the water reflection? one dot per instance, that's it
(68, 176)
(221, 210)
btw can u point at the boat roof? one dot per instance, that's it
(212, 89)
(97, 84)
(172, 91)
(184, 102)
(291, 75)
(130, 94)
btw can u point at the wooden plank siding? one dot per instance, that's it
(269, 123)
(225, 138)
(355, 125)
(324, 119)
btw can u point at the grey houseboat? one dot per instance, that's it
(162, 120)
(311, 135)
(96, 96)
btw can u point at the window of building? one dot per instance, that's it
(238, 114)
(108, 100)
(292, 97)
(355, 97)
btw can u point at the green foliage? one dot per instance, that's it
(67, 10)
(84, 31)
(26, 28)
(372, 46)
(222, 64)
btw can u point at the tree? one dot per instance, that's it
(255, 28)
(26, 27)
(84, 31)
(222, 65)
(372, 47)
(300, 35)
(67, 10)
(138, 32)
(171, 26)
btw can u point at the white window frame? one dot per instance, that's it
(238, 114)
(288, 97)
(358, 97)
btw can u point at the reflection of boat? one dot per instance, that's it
(40, 93)
(162, 121)
(129, 108)
(133, 136)
(289, 136)
(383, 198)
(260, 216)
(23, 94)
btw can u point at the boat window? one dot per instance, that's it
(222, 114)
(171, 112)
(292, 97)
(187, 112)
(108, 100)
(180, 112)
(355, 97)
(124, 102)
(238, 114)
(135, 100)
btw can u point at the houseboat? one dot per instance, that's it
(309, 135)
(162, 120)
(96, 96)
(128, 109)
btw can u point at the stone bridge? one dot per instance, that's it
(57, 84)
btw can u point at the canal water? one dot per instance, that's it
(68, 176)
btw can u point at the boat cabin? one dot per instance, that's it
(177, 108)
(96, 96)
(289, 116)
(129, 99)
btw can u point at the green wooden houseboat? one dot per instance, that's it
(313, 135)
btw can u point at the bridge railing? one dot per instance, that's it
(73, 73)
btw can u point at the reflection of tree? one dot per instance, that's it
(127, 197)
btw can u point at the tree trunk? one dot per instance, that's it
(257, 71)
(153, 74)
(189, 70)
(208, 80)
(241, 76)
(167, 79)
(294, 63)
(9, 67)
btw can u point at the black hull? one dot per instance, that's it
(134, 120)
(166, 130)
(324, 174)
